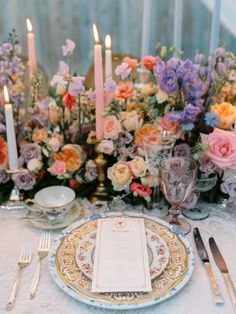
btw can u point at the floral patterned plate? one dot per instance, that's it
(73, 281)
(158, 254)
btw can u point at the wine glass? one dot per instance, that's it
(201, 211)
(155, 148)
(178, 176)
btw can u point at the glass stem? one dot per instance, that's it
(174, 212)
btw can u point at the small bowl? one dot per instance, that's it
(54, 202)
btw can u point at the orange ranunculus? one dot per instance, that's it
(40, 136)
(149, 62)
(133, 63)
(3, 153)
(146, 130)
(124, 90)
(72, 156)
(69, 101)
(227, 114)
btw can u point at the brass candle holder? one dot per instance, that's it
(15, 200)
(101, 164)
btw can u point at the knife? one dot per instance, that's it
(220, 262)
(204, 257)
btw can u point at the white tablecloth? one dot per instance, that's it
(194, 298)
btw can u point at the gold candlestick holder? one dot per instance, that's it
(15, 200)
(101, 163)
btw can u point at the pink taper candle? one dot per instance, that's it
(31, 48)
(98, 78)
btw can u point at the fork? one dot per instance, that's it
(24, 260)
(43, 249)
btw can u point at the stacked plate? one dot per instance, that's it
(72, 256)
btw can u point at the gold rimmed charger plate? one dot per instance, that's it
(64, 268)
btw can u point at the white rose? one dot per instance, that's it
(106, 147)
(34, 165)
(130, 120)
(138, 167)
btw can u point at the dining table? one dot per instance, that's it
(195, 297)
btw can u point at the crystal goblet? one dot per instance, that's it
(177, 176)
(156, 147)
(201, 211)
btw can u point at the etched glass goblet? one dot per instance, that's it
(177, 176)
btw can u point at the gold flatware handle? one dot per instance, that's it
(231, 289)
(214, 286)
(11, 300)
(35, 281)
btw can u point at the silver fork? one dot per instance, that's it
(43, 249)
(24, 260)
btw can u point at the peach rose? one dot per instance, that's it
(133, 63)
(149, 62)
(120, 175)
(40, 136)
(58, 168)
(130, 120)
(106, 147)
(227, 114)
(144, 131)
(138, 167)
(72, 156)
(124, 90)
(221, 148)
(112, 127)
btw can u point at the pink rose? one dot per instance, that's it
(124, 90)
(140, 190)
(138, 166)
(133, 63)
(112, 127)
(58, 168)
(149, 62)
(221, 148)
(170, 126)
(106, 147)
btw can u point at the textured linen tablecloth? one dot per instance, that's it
(194, 298)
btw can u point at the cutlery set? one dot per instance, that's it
(220, 262)
(24, 261)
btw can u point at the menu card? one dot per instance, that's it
(121, 258)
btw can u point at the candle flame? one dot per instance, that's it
(6, 95)
(108, 42)
(95, 34)
(29, 25)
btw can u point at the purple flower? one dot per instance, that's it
(190, 113)
(199, 58)
(30, 151)
(169, 81)
(110, 85)
(211, 61)
(219, 52)
(124, 138)
(77, 86)
(229, 186)
(173, 63)
(207, 166)
(186, 70)
(91, 171)
(160, 66)
(123, 70)
(25, 180)
(4, 176)
(68, 48)
(182, 150)
(221, 68)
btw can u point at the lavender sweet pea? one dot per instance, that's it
(30, 151)
(4, 176)
(169, 81)
(229, 186)
(25, 180)
(77, 86)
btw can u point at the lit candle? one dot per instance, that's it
(108, 58)
(215, 26)
(146, 28)
(98, 78)
(178, 24)
(31, 48)
(11, 137)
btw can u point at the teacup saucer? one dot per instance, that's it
(74, 213)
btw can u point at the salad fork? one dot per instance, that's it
(43, 250)
(24, 260)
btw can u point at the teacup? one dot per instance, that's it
(54, 202)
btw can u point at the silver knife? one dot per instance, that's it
(220, 262)
(204, 257)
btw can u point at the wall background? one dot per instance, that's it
(56, 20)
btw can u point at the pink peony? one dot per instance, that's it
(140, 189)
(221, 148)
(112, 127)
(58, 168)
(149, 62)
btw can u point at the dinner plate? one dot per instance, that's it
(64, 268)
(158, 254)
(74, 213)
